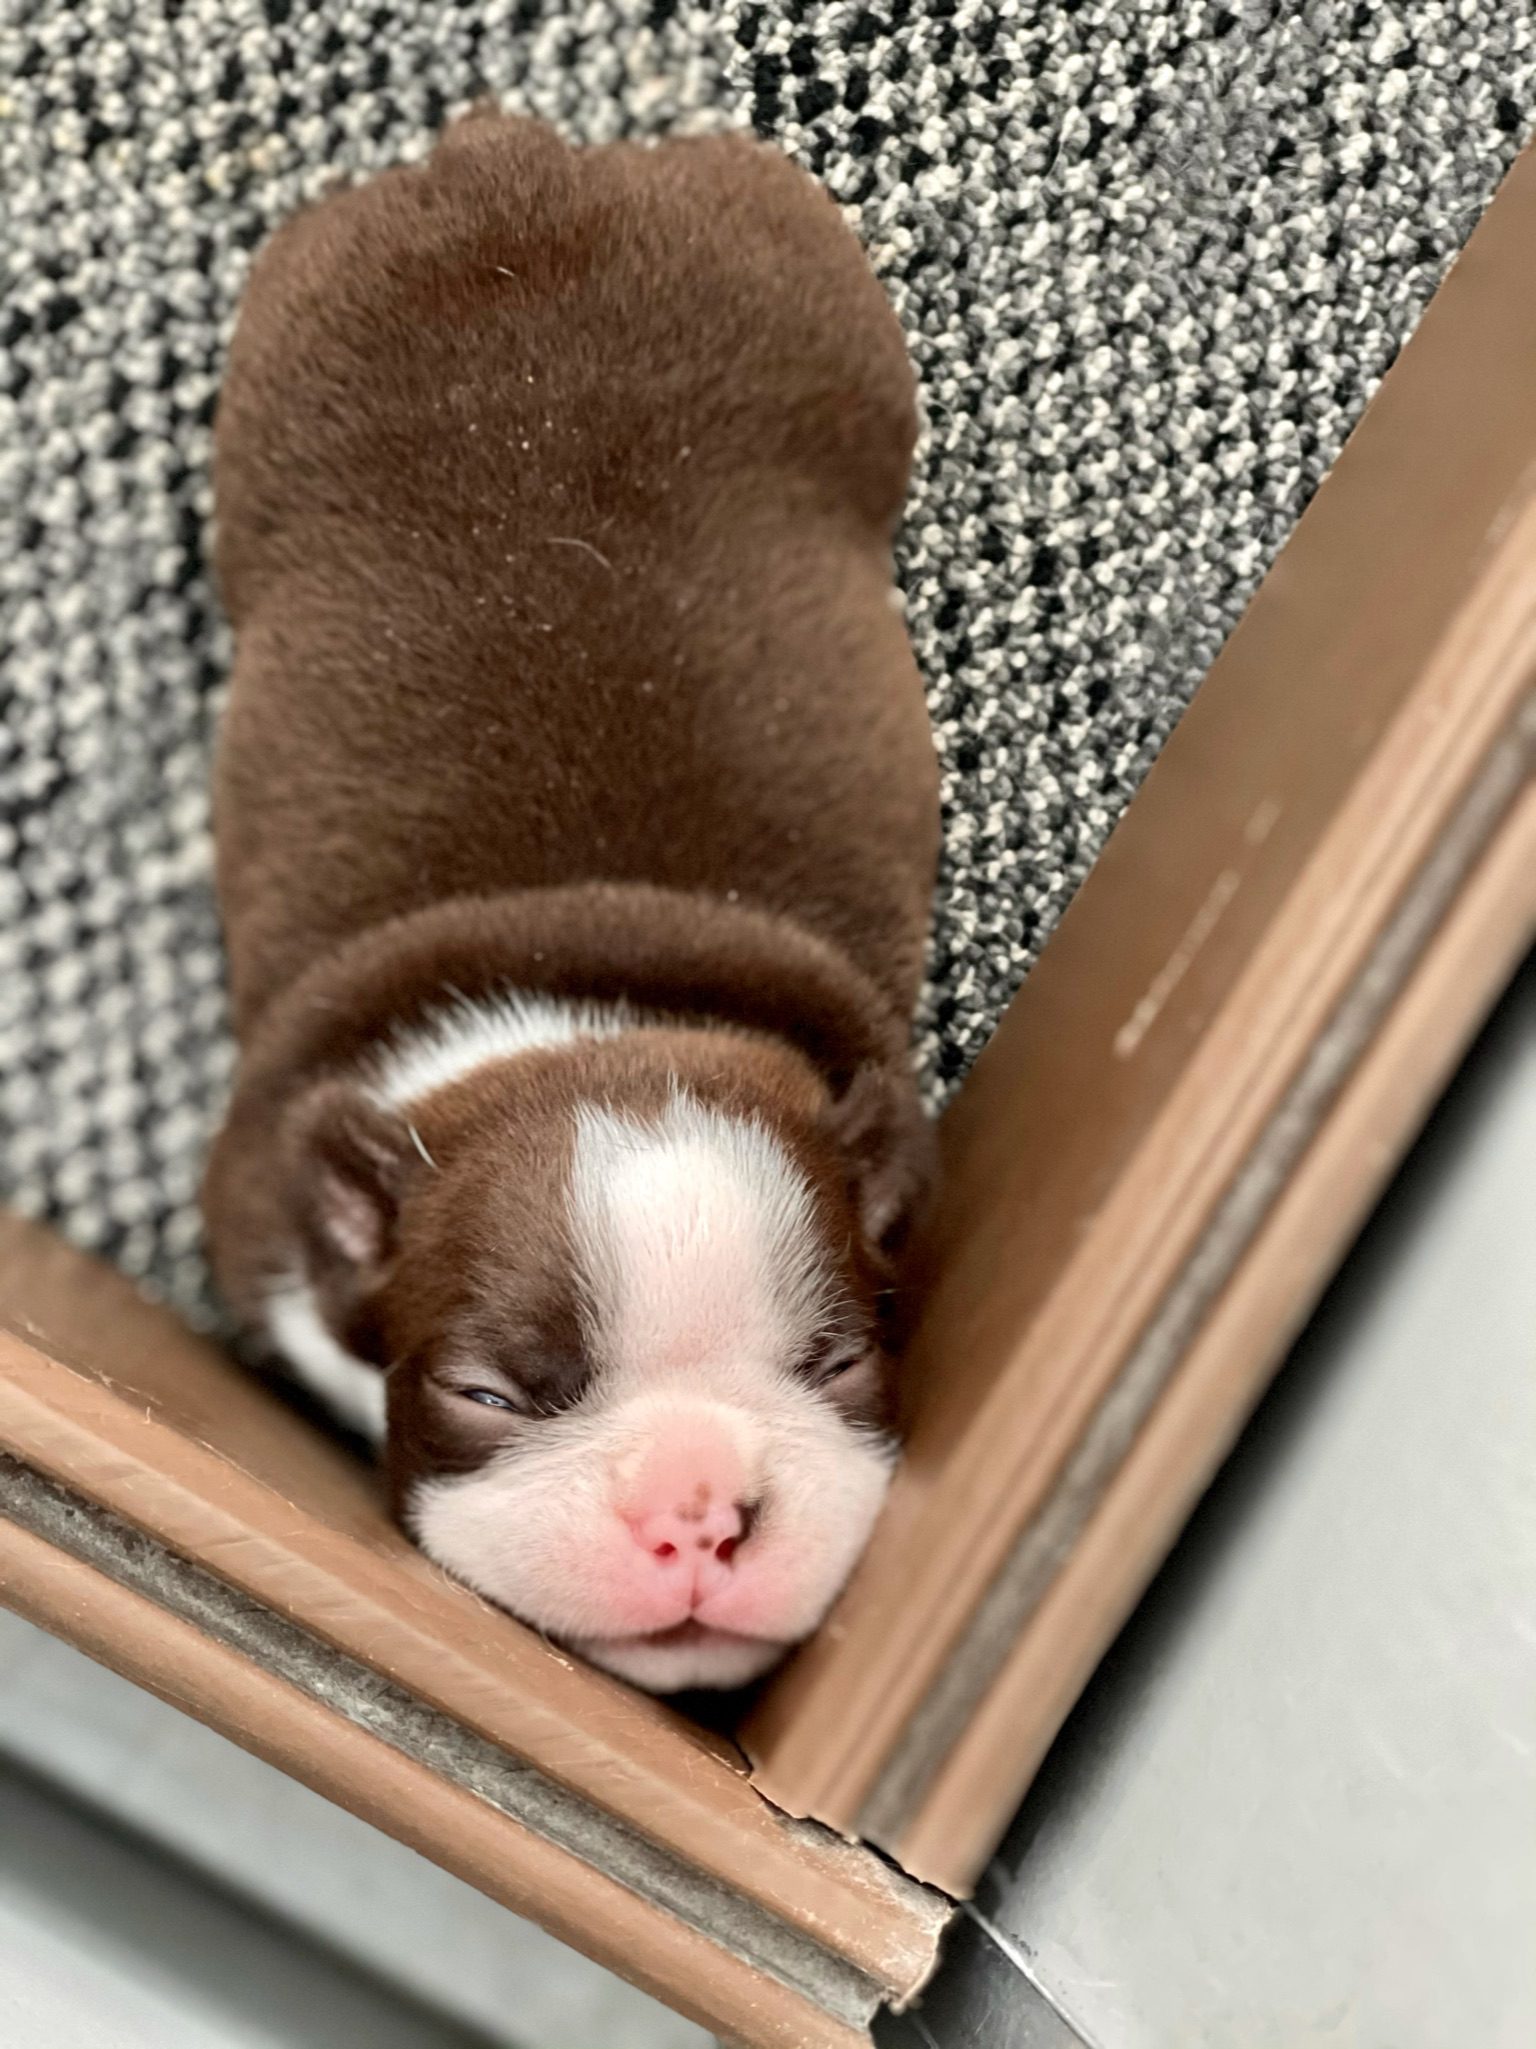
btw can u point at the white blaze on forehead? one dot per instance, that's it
(696, 1237)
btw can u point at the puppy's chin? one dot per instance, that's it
(691, 1656)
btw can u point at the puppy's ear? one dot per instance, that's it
(350, 1162)
(887, 1141)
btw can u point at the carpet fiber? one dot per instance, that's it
(1151, 260)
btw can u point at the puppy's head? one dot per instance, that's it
(630, 1301)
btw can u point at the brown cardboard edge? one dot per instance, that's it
(948, 1835)
(1044, 1549)
(1422, 500)
(466, 1835)
(74, 1405)
(1460, 744)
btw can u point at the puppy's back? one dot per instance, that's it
(555, 492)
(647, 327)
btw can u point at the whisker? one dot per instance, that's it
(586, 547)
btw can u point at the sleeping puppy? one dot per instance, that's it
(576, 814)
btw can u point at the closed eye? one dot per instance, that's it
(835, 1363)
(488, 1398)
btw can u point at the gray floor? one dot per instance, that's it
(1298, 1805)
(101, 1944)
(160, 1888)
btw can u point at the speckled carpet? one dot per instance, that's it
(1151, 260)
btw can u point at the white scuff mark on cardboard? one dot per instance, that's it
(1176, 967)
(1262, 823)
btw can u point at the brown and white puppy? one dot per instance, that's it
(576, 817)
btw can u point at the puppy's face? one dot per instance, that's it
(629, 1316)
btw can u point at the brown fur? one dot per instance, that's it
(555, 493)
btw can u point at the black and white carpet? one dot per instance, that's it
(1151, 259)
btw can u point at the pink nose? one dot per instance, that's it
(684, 1504)
(697, 1527)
